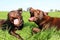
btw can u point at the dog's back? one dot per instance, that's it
(54, 21)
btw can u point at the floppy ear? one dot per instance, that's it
(20, 10)
(41, 15)
(31, 10)
(45, 13)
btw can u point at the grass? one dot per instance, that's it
(25, 33)
(3, 15)
(54, 14)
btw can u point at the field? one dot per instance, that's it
(49, 34)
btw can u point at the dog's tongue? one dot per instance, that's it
(16, 21)
(32, 18)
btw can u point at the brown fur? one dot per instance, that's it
(2, 22)
(52, 20)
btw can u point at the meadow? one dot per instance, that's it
(25, 33)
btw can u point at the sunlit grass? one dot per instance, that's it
(25, 33)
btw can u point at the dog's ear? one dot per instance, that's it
(45, 13)
(31, 9)
(41, 15)
(20, 10)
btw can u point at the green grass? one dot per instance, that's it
(54, 14)
(25, 33)
(3, 15)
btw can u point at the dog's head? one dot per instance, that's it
(15, 17)
(36, 14)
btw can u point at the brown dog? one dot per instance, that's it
(15, 21)
(37, 17)
(41, 20)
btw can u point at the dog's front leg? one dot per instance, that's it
(12, 32)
